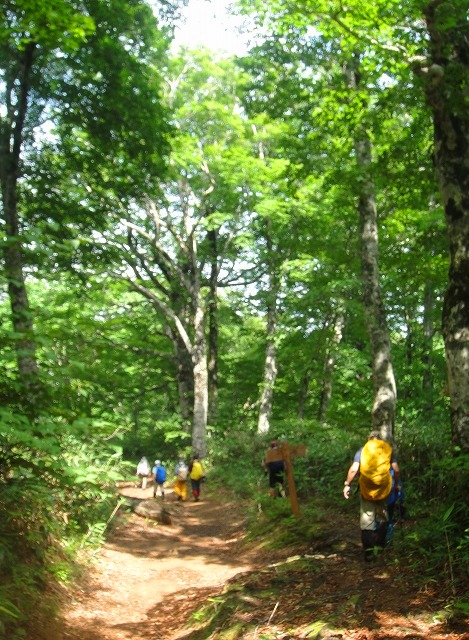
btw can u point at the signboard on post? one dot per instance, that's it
(287, 453)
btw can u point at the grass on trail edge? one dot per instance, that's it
(312, 582)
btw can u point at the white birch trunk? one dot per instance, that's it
(270, 370)
(199, 360)
(384, 385)
(384, 402)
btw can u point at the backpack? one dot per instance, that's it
(276, 466)
(375, 463)
(160, 474)
(181, 472)
(197, 471)
(143, 467)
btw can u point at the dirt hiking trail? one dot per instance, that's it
(149, 578)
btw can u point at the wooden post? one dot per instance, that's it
(286, 453)
(285, 449)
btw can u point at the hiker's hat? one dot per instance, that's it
(157, 461)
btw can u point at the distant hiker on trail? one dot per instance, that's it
(143, 471)
(181, 471)
(373, 461)
(159, 478)
(276, 471)
(196, 473)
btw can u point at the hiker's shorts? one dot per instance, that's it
(373, 513)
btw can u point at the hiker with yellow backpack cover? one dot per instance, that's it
(373, 462)
(196, 474)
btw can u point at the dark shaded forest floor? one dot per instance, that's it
(200, 578)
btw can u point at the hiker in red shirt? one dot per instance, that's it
(373, 462)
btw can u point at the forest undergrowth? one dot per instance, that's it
(287, 578)
(427, 563)
(315, 583)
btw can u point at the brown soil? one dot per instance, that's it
(149, 578)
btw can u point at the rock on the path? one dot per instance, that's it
(153, 510)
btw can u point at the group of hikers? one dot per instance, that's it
(194, 471)
(375, 464)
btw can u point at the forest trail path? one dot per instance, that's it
(149, 578)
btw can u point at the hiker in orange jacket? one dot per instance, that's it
(373, 463)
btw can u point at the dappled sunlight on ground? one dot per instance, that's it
(150, 578)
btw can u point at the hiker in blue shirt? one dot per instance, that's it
(159, 478)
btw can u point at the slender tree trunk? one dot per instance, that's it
(304, 392)
(199, 360)
(184, 377)
(270, 373)
(406, 392)
(213, 333)
(447, 82)
(11, 134)
(409, 341)
(270, 365)
(384, 386)
(427, 352)
(136, 416)
(384, 403)
(329, 364)
(185, 381)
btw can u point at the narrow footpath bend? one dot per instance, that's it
(149, 576)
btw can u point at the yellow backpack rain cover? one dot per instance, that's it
(375, 462)
(197, 471)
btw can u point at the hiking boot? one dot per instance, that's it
(369, 555)
(373, 553)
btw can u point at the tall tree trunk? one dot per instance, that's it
(447, 82)
(199, 360)
(384, 402)
(329, 364)
(270, 372)
(304, 392)
(213, 332)
(185, 381)
(196, 349)
(384, 385)
(409, 340)
(11, 139)
(270, 365)
(427, 351)
(406, 392)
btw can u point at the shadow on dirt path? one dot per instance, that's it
(149, 576)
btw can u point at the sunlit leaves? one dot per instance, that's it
(57, 24)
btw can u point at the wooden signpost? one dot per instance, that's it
(287, 452)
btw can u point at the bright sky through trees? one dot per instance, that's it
(208, 24)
